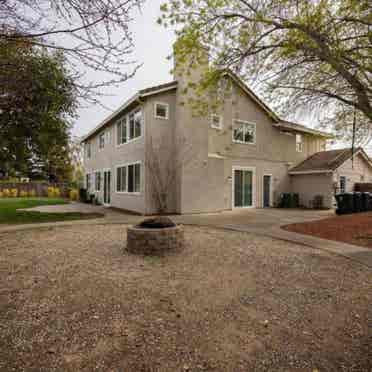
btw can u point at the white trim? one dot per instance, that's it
(311, 171)
(134, 193)
(216, 156)
(103, 183)
(220, 126)
(95, 184)
(253, 170)
(102, 133)
(243, 122)
(271, 190)
(127, 103)
(166, 111)
(153, 92)
(139, 108)
(300, 144)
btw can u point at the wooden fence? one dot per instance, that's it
(363, 187)
(40, 188)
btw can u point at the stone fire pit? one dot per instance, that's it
(155, 236)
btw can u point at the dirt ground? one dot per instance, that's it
(70, 300)
(352, 228)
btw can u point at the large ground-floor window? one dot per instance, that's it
(128, 178)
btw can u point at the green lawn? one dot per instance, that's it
(10, 215)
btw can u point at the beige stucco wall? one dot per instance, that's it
(112, 156)
(310, 185)
(361, 172)
(161, 147)
(202, 174)
(206, 185)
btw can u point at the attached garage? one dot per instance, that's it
(328, 172)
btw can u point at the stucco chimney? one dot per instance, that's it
(189, 68)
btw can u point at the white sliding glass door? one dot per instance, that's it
(243, 188)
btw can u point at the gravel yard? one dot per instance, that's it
(70, 300)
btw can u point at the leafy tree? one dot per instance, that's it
(307, 56)
(37, 98)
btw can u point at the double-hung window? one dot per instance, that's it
(128, 178)
(342, 184)
(88, 149)
(101, 141)
(216, 121)
(129, 127)
(244, 132)
(97, 180)
(299, 143)
(161, 110)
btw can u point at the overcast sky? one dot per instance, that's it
(153, 44)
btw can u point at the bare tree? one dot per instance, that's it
(163, 165)
(94, 35)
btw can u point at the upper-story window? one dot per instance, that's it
(101, 140)
(216, 121)
(88, 149)
(244, 132)
(129, 127)
(161, 110)
(299, 143)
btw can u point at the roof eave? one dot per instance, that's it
(136, 97)
(314, 171)
(295, 129)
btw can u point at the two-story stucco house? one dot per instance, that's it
(241, 155)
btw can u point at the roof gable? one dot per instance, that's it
(327, 161)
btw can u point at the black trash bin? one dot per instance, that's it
(357, 196)
(294, 200)
(365, 201)
(342, 203)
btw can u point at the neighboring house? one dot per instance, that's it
(241, 154)
(328, 172)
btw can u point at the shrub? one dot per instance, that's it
(32, 193)
(74, 194)
(6, 193)
(57, 192)
(23, 194)
(53, 192)
(1, 194)
(14, 193)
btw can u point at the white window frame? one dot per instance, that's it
(95, 181)
(244, 122)
(166, 110)
(220, 125)
(101, 135)
(127, 118)
(126, 192)
(254, 201)
(299, 144)
(89, 150)
(88, 185)
(345, 178)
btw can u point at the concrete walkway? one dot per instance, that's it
(264, 222)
